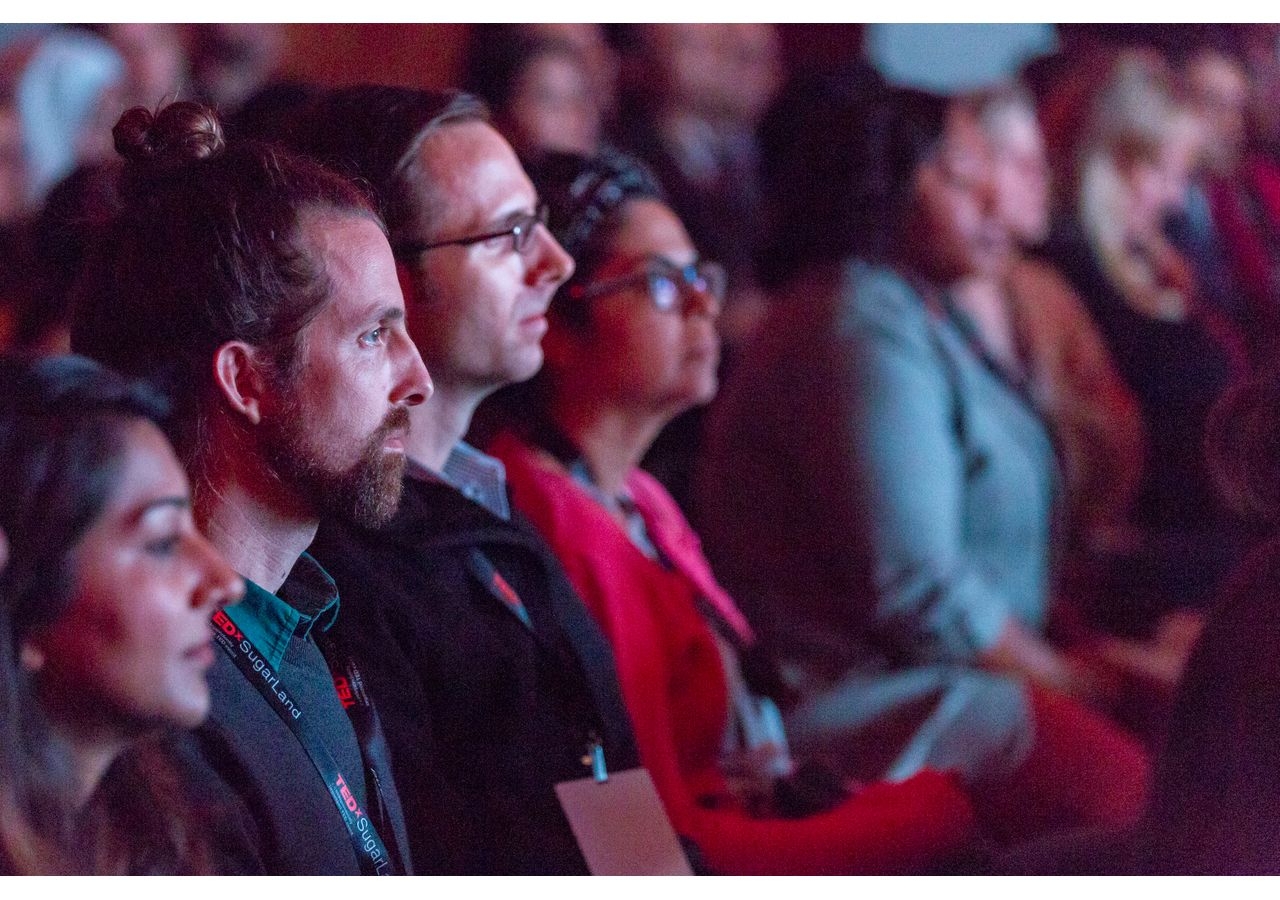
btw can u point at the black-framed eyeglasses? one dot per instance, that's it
(667, 283)
(520, 231)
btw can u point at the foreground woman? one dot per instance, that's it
(632, 343)
(104, 624)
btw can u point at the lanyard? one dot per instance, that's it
(488, 575)
(370, 851)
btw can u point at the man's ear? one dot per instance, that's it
(237, 372)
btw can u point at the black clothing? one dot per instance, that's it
(484, 714)
(1215, 807)
(1176, 370)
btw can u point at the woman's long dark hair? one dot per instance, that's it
(62, 424)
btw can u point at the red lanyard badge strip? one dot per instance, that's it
(370, 851)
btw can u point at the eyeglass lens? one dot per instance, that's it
(522, 231)
(666, 283)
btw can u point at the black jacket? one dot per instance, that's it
(246, 765)
(483, 714)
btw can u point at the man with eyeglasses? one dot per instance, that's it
(497, 683)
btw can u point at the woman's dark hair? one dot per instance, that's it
(73, 215)
(584, 196)
(205, 248)
(1243, 445)
(62, 424)
(839, 155)
(373, 133)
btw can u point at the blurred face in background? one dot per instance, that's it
(1156, 184)
(724, 73)
(155, 61)
(954, 228)
(132, 648)
(1218, 91)
(552, 106)
(593, 48)
(1021, 174)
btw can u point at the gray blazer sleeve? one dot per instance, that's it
(909, 470)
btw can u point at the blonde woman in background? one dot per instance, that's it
(1174, 353)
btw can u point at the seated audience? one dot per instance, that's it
(1175, 353)
(631, 344)
(257, 291)
(497, 684)
(106, 588)
(880, 495)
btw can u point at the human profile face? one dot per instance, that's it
(632, 354)
(1157, 187)
(335, 433)
(954, 228)
(133, 646)
(478, 312)
(552, 107)
(1218, 91)
(1021, 174)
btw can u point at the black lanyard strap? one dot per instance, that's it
(370, 851)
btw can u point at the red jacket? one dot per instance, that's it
(674, 686)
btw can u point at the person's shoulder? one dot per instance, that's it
(877, 299)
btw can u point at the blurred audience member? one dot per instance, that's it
(892, 542)
(59, 239)
(1035, 328)
(1174, 351)
(693, 95)
(232, 62)
(155, 64)
(1234, 212)
(632, 343)
(258, 292)
(1215, 807)
(63, 82)
(104, 625)
(594, 48)
(538, 89)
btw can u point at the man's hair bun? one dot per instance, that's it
(176, 136)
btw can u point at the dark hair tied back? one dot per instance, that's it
(178, 135)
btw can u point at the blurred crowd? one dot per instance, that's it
(889, 473)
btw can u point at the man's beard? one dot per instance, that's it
(366, 493)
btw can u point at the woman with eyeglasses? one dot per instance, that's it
(104, 626)
(632, 343)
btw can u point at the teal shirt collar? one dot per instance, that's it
(308, 599)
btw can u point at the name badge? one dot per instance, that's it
(621, 826)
